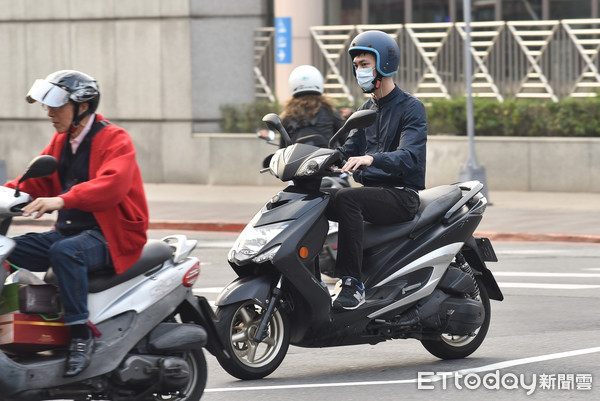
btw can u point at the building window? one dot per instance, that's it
(481, 10)
(516, 10)
(351, 12)
(565, 9)
(428, 11)
(386, 12)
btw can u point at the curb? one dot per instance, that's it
(196, 226)
(238, 227)
(492, 235)
(539, 237)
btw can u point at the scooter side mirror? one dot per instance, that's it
(274, 123)
(267, 160)
(359, 119)
(41, 166)
(266, 134)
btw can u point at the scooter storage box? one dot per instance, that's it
(21, 332)
(39, 298)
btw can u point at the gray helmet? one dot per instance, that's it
(66, 85)
(386, 50)
(60, 87)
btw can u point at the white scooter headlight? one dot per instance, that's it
(311, 166)
(252, 241)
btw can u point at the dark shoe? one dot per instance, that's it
(80, 356)
(351, 295)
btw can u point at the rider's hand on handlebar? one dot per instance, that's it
(355, 162)
(38, 207)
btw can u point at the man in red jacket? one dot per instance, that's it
(98, 193)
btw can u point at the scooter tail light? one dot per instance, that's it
(191, 275)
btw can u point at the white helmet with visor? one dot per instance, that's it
(60, 87)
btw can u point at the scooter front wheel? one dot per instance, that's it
(249, 359)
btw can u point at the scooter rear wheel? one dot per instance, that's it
(237, 324)
(192, 391)
(456, 347)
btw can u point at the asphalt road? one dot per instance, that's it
(543, 341)
(542, 344)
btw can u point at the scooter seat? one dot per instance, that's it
(435, 202)
(155, 252)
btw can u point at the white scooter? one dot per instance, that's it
(152, 327)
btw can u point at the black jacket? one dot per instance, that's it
(317, 131)
(397, 141)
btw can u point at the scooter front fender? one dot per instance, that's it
(246, 288)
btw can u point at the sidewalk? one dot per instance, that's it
(512, 215)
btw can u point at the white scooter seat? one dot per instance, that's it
(155, 253)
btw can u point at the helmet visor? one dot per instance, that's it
(47, 93)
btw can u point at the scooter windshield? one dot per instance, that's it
(47, 93)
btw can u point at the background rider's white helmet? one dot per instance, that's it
(305, 80)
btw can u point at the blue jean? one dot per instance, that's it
(71, 258)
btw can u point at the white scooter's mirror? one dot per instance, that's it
(41, 166)
(266, 134)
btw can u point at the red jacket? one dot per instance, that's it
(114, 192)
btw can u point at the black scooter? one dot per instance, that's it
(425, 278)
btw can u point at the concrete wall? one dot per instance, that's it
(164, 69)
(518, 164)
(301, 38)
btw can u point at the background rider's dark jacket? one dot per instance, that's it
(317, 131)
(397, 141)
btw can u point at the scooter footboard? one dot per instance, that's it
(477, 251)
(245, 288)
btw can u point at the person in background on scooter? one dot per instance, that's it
(98, 193)
(308, 116)
(387, 158)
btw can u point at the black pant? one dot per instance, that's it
(350, 207)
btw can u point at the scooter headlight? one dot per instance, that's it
(253, 240)
(312, 165)
(266, 256)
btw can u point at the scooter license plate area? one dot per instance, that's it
(486, 249)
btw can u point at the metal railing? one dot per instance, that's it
(515, 59)
(264, 63)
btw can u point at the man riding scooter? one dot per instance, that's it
(98, 193)
(387, 158)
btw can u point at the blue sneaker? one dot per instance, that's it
(351, 295)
